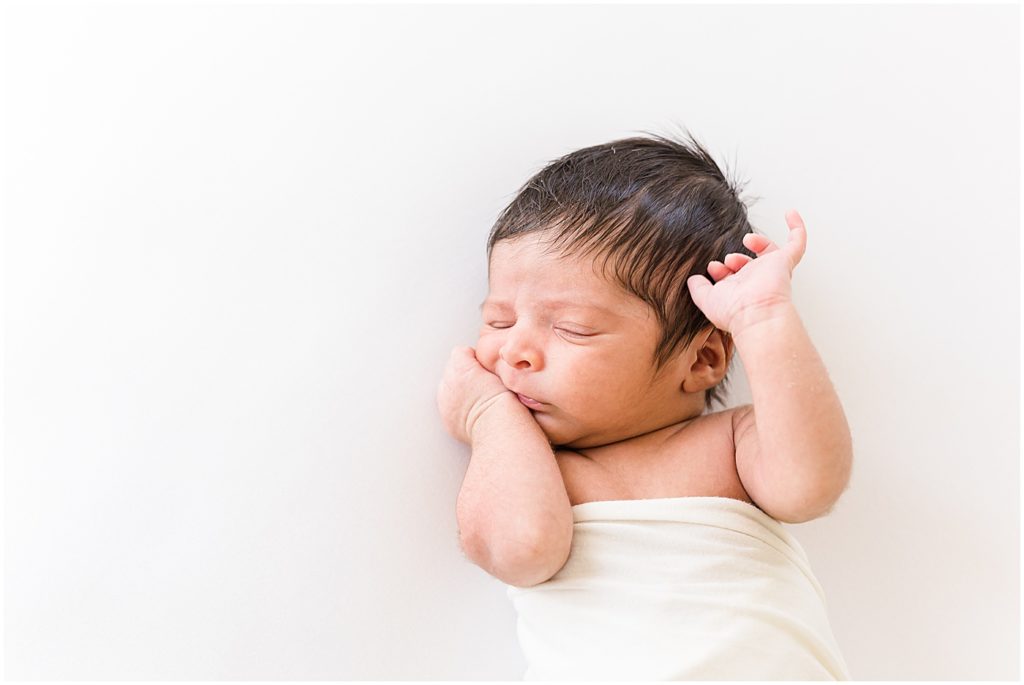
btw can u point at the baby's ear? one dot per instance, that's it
(718, 350)
(712, 362)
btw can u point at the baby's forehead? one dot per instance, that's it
(530, 270)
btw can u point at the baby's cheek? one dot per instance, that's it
(487, 354)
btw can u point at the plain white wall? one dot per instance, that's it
(240, 243)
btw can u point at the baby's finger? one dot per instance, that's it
(755, 242)
(718, 270)
(736, 260)
(797, 242)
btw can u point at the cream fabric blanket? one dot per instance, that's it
(680, 588)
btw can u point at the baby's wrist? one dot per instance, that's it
(760, 317)
(480, 417)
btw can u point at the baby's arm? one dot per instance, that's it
(795, 459)
(514, 515)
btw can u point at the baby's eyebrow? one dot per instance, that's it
(554, 304)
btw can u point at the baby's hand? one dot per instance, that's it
(466, 390)
(750, 289)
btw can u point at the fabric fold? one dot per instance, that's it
(681, 588)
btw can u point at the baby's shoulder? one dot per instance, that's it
(721, 421)
(698, 459)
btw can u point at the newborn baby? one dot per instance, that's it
(587, 399)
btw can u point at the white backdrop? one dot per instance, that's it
(240, 243)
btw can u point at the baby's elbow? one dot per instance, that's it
(536, 567)
(815, 508)
(521, 565)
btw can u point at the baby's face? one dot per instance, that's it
(555, 331)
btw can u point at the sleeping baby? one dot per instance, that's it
(639, 532)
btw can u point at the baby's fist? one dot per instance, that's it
(466, 389)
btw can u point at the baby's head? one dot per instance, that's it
(588, 311)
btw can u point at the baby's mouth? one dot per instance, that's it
(529, 402)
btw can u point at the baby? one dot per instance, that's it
(586, 403)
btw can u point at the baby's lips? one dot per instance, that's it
(530, 402)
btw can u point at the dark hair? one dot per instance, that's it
(657, 208)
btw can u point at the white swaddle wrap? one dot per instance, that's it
(681, 588)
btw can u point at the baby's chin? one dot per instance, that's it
(558, 434)
(553, 431)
